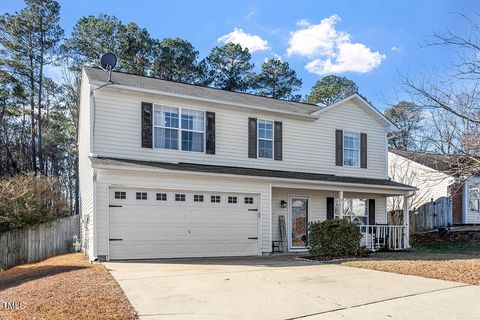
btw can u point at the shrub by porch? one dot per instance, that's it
(334, 239)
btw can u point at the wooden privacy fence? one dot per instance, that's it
(38, 243)
(432, 215)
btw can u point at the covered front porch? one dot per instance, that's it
(295, 206)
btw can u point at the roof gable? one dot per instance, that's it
(361, 102)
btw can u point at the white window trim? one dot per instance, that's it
(350, 214)
(350, 149)
(273, 139)
(470, 187)
(180, 129)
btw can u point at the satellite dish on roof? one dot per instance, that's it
(108, 61)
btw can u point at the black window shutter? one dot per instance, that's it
(363, 150)
(278, 140)
(330, 208)
(371, 211)
(147, 125)
(252, 137)
(339, 147)
(210, 133)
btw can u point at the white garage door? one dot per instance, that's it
(173, 224)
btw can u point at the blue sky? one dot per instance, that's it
(370, 42)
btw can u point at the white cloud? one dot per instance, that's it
(252, 42)
(331, 51)
(396, 49)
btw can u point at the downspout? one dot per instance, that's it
(94, 176)
(406, 218)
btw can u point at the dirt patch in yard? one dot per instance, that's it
(62, 287)
(453, 262)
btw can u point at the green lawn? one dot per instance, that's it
(448, 248)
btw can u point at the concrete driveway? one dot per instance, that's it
(280, 288)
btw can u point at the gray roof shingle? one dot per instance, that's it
(172, 87)
(242, 171)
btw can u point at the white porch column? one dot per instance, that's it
(406, 221)
(340, 204)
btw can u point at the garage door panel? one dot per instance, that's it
(173, 229)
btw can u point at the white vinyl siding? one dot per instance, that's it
(85, 170)
(308, 145)
(431, 184)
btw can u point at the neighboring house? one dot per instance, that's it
(174, 170)
(435, 176)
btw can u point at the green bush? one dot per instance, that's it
(28, 200)
(334, 239)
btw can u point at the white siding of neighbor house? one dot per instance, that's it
(178, 181)
(85, 171)
(318, 205)
(469, 217)
(308, 145)
(431, 183)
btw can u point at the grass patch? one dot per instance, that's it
(448, 248)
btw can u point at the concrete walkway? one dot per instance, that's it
(279, 288)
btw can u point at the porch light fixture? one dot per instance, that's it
(283, 204)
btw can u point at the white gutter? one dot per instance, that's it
(188, 97)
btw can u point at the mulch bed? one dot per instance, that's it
(461, 267)
(63, 287)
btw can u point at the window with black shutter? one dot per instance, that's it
(210, 133)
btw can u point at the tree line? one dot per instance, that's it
(39, 115)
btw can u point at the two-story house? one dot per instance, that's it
(175, 170)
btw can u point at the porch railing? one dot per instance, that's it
(383, 237)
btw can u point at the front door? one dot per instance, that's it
(298, 222)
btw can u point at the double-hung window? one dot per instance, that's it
(351, 149)
(193, 130)
(474, 198)
(265, 139)
(179, 129)
(166, 127)
(354, 210)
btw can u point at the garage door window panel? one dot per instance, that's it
(179, 197)
(120, 195)
(215, 199)
(161, 196)
(232, 200)
(198, 198)
(248, 200)
(141, 196)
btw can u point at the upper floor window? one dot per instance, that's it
(351, 149)
(265, 139)
(193, 130)
(179, 128)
